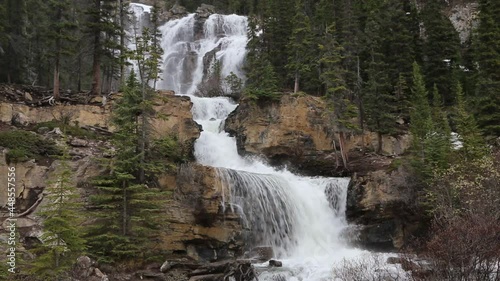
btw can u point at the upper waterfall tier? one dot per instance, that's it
(192, 45)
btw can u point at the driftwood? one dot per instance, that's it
(239, 270)
(33, 207)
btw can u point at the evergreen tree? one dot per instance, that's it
(487, 53)
(300, 46)
(126, 207)
(403, 98)
(421, 122)
(62, 240)
(342, 110)
(440, 138)
(262, 81)
(277, 28)
(468, 131)
(60, 31)
(378, 93)
(441, 50)
(103, 29)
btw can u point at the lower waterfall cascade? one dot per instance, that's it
(302, 218)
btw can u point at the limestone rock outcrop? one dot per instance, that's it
(382, 205)
(297, 131)
(199, 224)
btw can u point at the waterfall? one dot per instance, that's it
(189, 50)
(302, 218)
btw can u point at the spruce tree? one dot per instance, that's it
(440, 137)
(421, 122)
(468, 132)
(277, 28)
(62, 239)
(262, 81)
(378, 92)
(126, 206)
(103, 28)
(487, 54)
(342, 110)
(60, 32)
(441, 51)
(300, 46)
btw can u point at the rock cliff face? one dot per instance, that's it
(382, 205)
(173, 116)
(296, 131)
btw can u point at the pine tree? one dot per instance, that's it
(441, 50)
(62, 240)
(262, 81)
(440, 138)
(469, 134)
(277, 28)
(487, 54)
(148, 54)
(60, 31)
(342, 110)
(378, 92)
(103, 29)
(421, 122)
(127, 206)
(300, 46)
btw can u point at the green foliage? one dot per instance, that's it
(467, 187)
(127, 205)
(333, 76)
(421, 121)
(440, 138)
(378, 91)
(25, 145)
(148, 51)
(62, 240)
(233, 83)
(300, 46)
(468, 131)
(487, 55)
(66, 128)
(262, 81)
(441, 51)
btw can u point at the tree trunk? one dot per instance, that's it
(122, 44)
(79, 73)
(379, 146)
(56, 93)
(296, 87)
(124, 208)
(343, 153)
(96, 66)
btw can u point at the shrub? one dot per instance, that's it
(25, 145)
(371, 267)
(68, 129)
(464, 248)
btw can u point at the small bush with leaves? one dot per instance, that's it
(25, 145)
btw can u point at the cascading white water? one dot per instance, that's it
(187, 49)
(302, 218)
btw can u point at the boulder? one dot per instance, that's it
(165, 267)
(204, 11)
(19, 119)
(275, 263)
